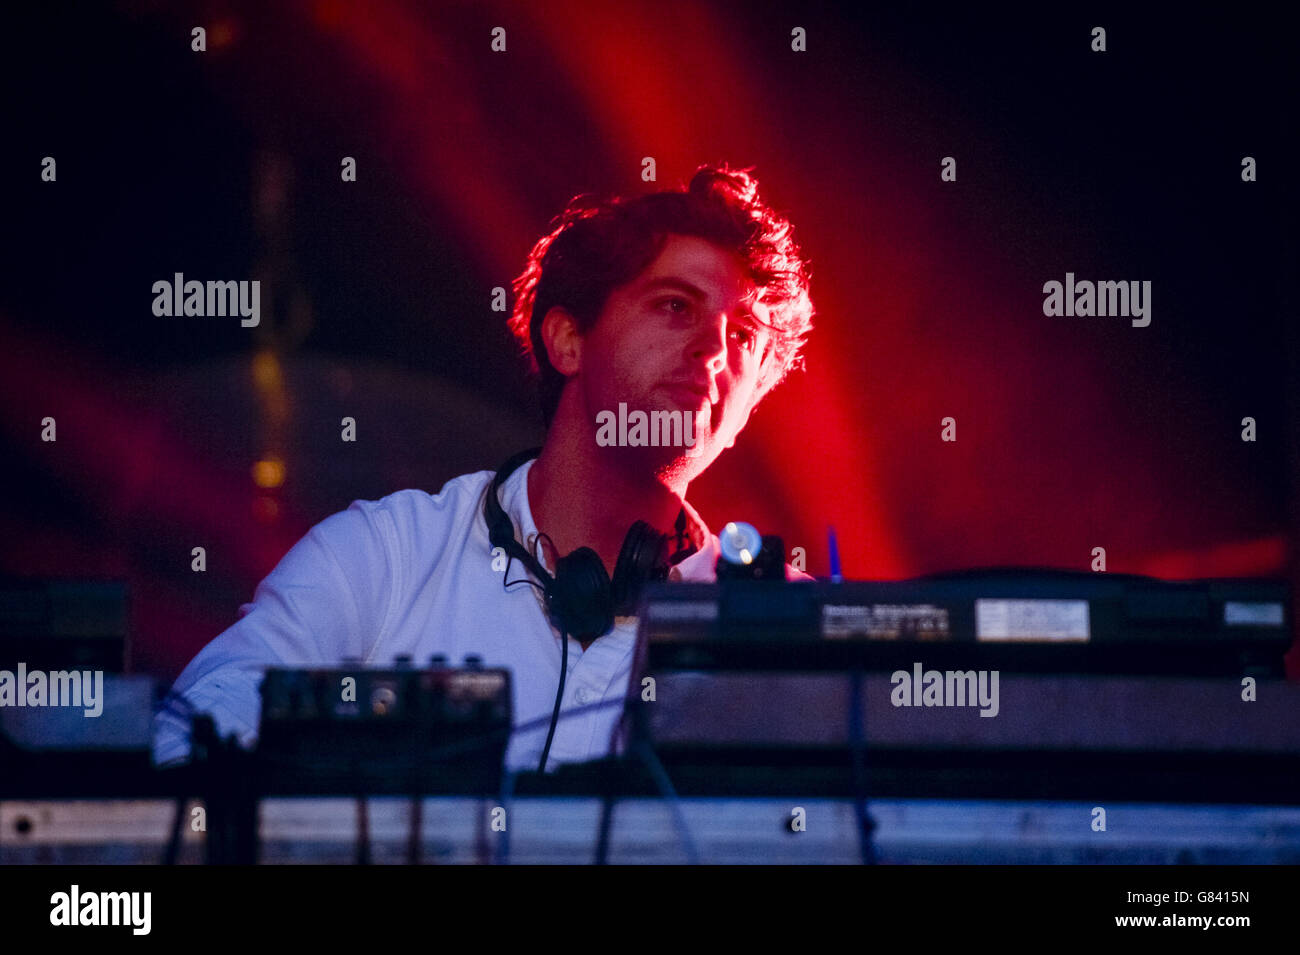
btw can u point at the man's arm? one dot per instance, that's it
(328, 599)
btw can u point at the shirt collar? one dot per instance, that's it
(514, 500)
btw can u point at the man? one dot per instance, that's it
(693, 303)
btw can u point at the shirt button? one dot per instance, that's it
(583, 696)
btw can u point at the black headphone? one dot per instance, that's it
(581, 599)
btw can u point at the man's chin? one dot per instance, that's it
(666, 462)
(687, 463)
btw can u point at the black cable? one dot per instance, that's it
(606, 817)
(510, 559)
(415, 837)
(173, 851)
(669, 794)
(559, 695)
(482, 852)
(171, 854)
(633, 723)
(621, 728)
(866, 826)
(363, 832)
(506, 584)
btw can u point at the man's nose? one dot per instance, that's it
(709, 344)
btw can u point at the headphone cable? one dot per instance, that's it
(559, 695)
(564, 660)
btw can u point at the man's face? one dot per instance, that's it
(681, 336)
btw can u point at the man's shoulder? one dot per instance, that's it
(417, 504)
(407, 515)
(457, 493)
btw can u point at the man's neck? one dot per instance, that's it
(581, 498)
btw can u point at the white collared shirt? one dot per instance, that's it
(413, 575)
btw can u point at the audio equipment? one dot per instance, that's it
(403, 729)
(1015, 619)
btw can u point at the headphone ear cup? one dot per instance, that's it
(643, 558)
(580, 596)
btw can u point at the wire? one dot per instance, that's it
(171, 854)
(559, 696)
(606, 820)
(415, 836)
(173, 851)
(645, 752)
(510, 559)
(857, 751)
(363, 832)
(669, 794)
(506, 584)
(643, 747)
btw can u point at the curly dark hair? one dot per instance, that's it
(597, 245)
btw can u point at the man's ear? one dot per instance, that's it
(563, 341)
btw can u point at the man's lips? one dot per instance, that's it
(695, 401)
(686, 395)
(696, 391)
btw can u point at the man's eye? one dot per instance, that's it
(676, 299)
(745, 336)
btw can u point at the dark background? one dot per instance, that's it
(1073, 433)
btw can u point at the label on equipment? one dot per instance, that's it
(1237, 613)
(1048, 621)
(885, 621)
(689, 610)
